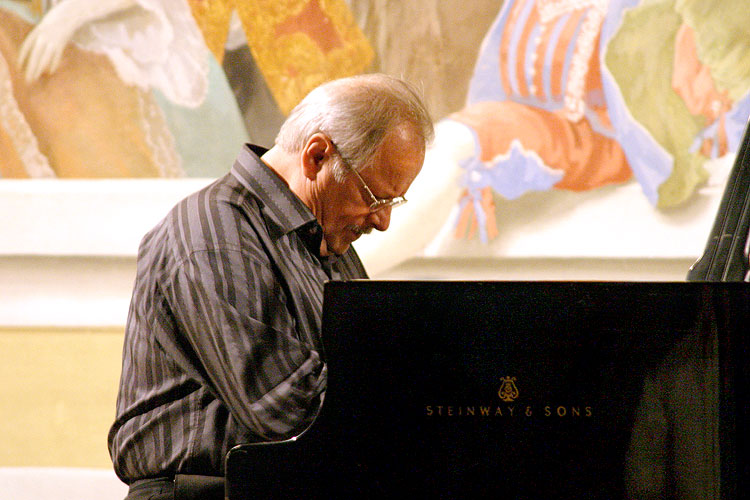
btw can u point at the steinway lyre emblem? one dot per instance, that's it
(508, 391)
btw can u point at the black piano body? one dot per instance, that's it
(519, 390)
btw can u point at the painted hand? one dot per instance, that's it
(43, 48)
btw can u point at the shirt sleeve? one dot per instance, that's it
(236, 334)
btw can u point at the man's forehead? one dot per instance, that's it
(399, 158)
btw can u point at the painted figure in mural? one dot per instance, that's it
(556, 100)
(222, 343)
(121, 101)
(146, 66)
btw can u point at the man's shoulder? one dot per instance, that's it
(222, 216)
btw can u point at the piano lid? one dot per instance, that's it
(725, 257)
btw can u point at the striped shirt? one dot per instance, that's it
(222, 342)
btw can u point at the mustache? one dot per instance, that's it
(361, 229)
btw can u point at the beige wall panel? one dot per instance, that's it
(57, 396)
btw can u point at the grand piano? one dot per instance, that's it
(554, 390)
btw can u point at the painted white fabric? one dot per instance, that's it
(153, 44)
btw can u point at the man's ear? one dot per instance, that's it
(317, 150)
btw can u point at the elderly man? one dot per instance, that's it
(222, 343)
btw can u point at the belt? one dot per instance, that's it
(185, 487)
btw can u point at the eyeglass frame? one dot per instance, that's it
(377, 203)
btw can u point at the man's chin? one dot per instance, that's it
(335, 248)
(343, 241)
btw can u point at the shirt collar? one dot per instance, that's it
(283, 211)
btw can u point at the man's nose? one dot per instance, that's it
(381, 219)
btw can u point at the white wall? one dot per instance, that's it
(67, 248)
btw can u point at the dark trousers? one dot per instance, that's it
(182, 487)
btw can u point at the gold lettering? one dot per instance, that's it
(560, 411)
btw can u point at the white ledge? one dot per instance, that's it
(84, 217)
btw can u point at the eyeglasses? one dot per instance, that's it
(377, 203)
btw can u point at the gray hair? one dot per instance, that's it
(355, 113)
